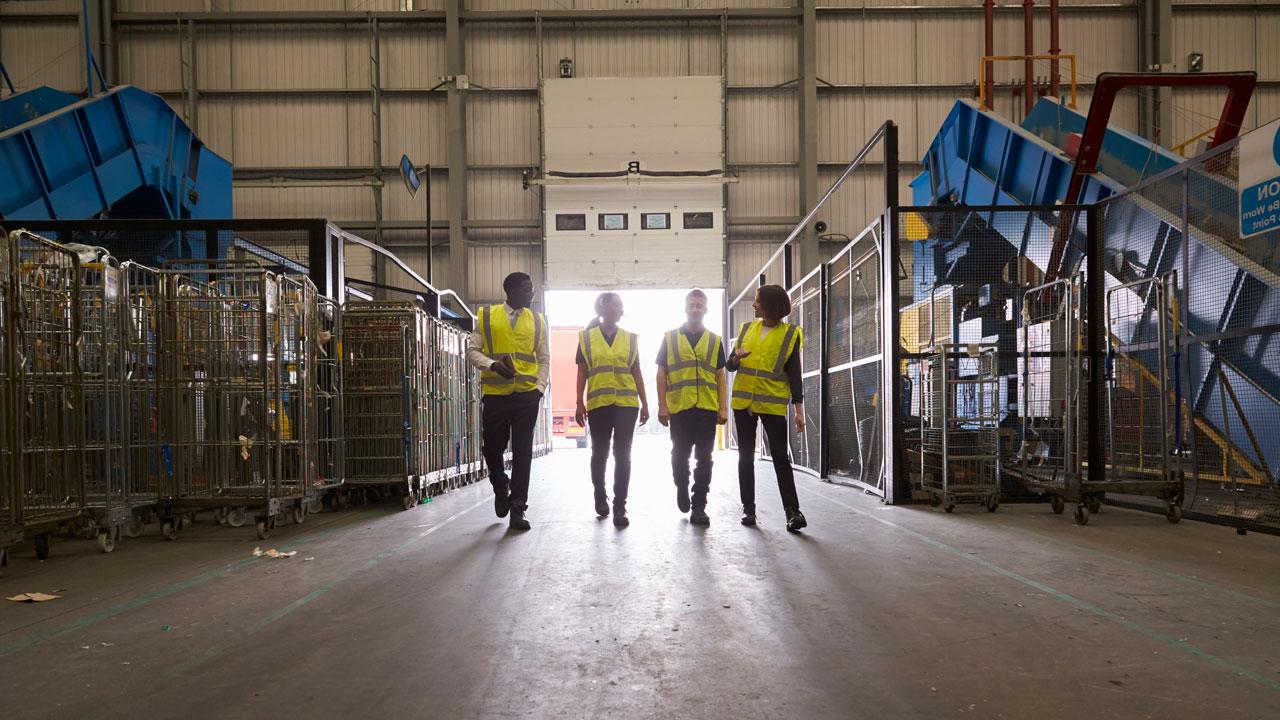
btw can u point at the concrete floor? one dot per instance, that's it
(438, 612)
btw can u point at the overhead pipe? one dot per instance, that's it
(107, 17)
(989, 48)
(1029, 41)
(1054, 49)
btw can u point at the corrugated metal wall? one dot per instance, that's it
(292, 100)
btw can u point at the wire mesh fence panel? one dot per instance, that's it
(106, 474)
(50, 414)
(854, 356)
(1225, 370)
(806, 314)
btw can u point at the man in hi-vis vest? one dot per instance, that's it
(510, 349)
(691, 400)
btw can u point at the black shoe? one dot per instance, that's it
(620, 519)
(682, 498)
(795, 520)
(518, 522)
(602, 507)
(749, 515)
(699, 517)
(501, 503)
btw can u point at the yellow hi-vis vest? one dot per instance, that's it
(691, 372)
(760, 384)
(519, 341)
(609, 379)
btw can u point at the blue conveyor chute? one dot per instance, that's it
(979, 158)
(124, 153)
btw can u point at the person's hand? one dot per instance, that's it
(644, 414)
(664, 415)
(799, 418)
(722, 417)
(504, 367)
(740, 353)
(580, 415)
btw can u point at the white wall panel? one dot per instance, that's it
(412, 125)
(631, 49)
(501, 55)
(765, 192)
(502, 128)
(290, 131)
(150, 57)
(491, 262)
(763, 127)
(303, 202)
(762, 53)
(745, 260)
(499, 195)
(412, 56)
(398, 205)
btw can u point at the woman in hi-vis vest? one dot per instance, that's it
(609, 377)
(767, 362)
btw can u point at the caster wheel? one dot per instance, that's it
(220, 516)
(410, 501)
(1173, 513)
(1082, 514)
(299, 513)
(107, 539)
(135, 527)
(1242, 531)
(264, 529)
(42, 547)
(169, 530)
(934, 500)
(993, 503)
(1094, 504)
(949, 504)
(237, 517)
(1057, 504)
(315, 506)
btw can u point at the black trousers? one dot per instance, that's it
(618, 423)
(510, 419)
(775, 433)
(693, 430)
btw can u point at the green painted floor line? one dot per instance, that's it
(43, 636)
(1085, 605)
(319, 592)
(1205, 584)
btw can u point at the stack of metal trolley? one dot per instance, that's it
(134, 395)
(959, 425)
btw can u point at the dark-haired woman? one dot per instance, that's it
(609, 376)
(767, 362)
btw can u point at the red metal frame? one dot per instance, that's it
(1239, 85)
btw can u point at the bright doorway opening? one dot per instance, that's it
(648, 313)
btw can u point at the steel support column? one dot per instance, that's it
(807, 89)
(375, 106)
(1155, 25)
(456, 140)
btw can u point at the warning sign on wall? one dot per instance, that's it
(1260, 180)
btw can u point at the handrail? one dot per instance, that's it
(982, 73)
(1180, 147)
(409, 271)
(804, 222)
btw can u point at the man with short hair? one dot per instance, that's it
(510, 349)
(691, 400)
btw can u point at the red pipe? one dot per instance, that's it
(1028, 89)
(1054, 49)
(989, 8)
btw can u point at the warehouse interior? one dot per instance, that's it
(247, 250)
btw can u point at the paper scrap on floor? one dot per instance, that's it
(273, 553)
(34, 597)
